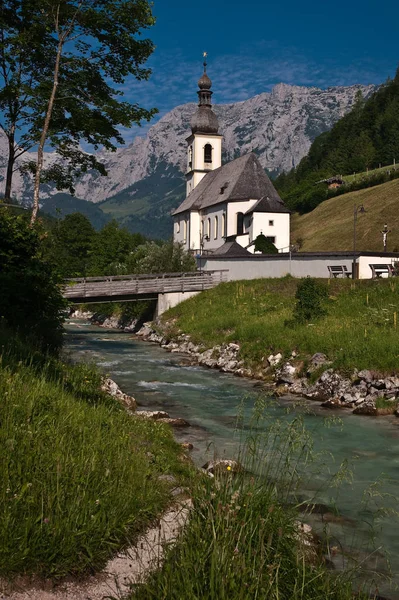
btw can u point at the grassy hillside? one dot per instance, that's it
(330, 225)
(357, 331)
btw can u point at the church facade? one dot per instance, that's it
(235, 200)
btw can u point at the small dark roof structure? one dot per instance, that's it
(267, 205)
(335, 179)
(241, 179)
(232, 249)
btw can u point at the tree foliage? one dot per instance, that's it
(265, 245)
(63, 63)
(362, 139)
(77, 250)
(30, 297)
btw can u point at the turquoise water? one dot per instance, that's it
(210, 401)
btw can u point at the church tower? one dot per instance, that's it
(204, 151)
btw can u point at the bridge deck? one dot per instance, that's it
(132, 287)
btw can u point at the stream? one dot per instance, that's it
(210, 400)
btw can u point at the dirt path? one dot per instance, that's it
(120, 572)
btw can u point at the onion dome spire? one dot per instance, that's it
(204, 120)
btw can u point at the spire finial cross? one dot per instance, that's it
(205, 56)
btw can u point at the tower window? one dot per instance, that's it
(240, 223)
(271, 223)
(190, 157)
(208, 153)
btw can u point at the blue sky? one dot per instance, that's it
(253, 45)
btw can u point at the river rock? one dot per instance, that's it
(318, 360)
(274, 359)
(110, 387)
(366, 375)
(366, 408)
(330, 386)
(174, 422)
(145, 330)
(286, 374)
(187, 446)
(152, 414)
(81, 314)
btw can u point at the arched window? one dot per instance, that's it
(223, 225)
(190, 157)
(177, 226)
(240, 223)
(216, 227)
(184, 230)
(208, 153)
(208, 229)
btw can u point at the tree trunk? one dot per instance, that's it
(10, 167)
(40, 150)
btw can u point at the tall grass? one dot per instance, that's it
(79, 476)
(244, 540)
(359, 329)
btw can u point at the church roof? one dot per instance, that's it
(232, 249)
(268, 205)
(241, 179)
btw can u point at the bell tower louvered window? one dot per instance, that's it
(208, 153)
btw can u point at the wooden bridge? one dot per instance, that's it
(178, 286)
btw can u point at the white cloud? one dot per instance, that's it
(254, 69)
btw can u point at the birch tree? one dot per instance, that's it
(88, 49)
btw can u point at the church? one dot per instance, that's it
(236, 201)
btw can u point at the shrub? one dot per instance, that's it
(310, 295)
(30, 298)
(265, 245)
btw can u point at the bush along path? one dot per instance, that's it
(335, 343)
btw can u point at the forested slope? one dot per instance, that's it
(364, 138)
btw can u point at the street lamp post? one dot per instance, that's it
(356, 209)
(203, 238)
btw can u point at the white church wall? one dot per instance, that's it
(181, 231)
(233, 208)
(275, 225)
(213, 219)
(194, 230)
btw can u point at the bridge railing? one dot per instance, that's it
(122, 285)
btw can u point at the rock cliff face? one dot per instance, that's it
(279, 126)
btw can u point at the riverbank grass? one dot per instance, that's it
(79, 476)
(244, 539)
(359, 329)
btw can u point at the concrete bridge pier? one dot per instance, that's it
(170, 299)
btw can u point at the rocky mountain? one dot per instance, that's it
(147, 175)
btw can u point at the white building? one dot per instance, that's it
(236, 199)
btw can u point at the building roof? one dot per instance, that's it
(268, 205)
(241, 179)
(204, 120)
(232, 249)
